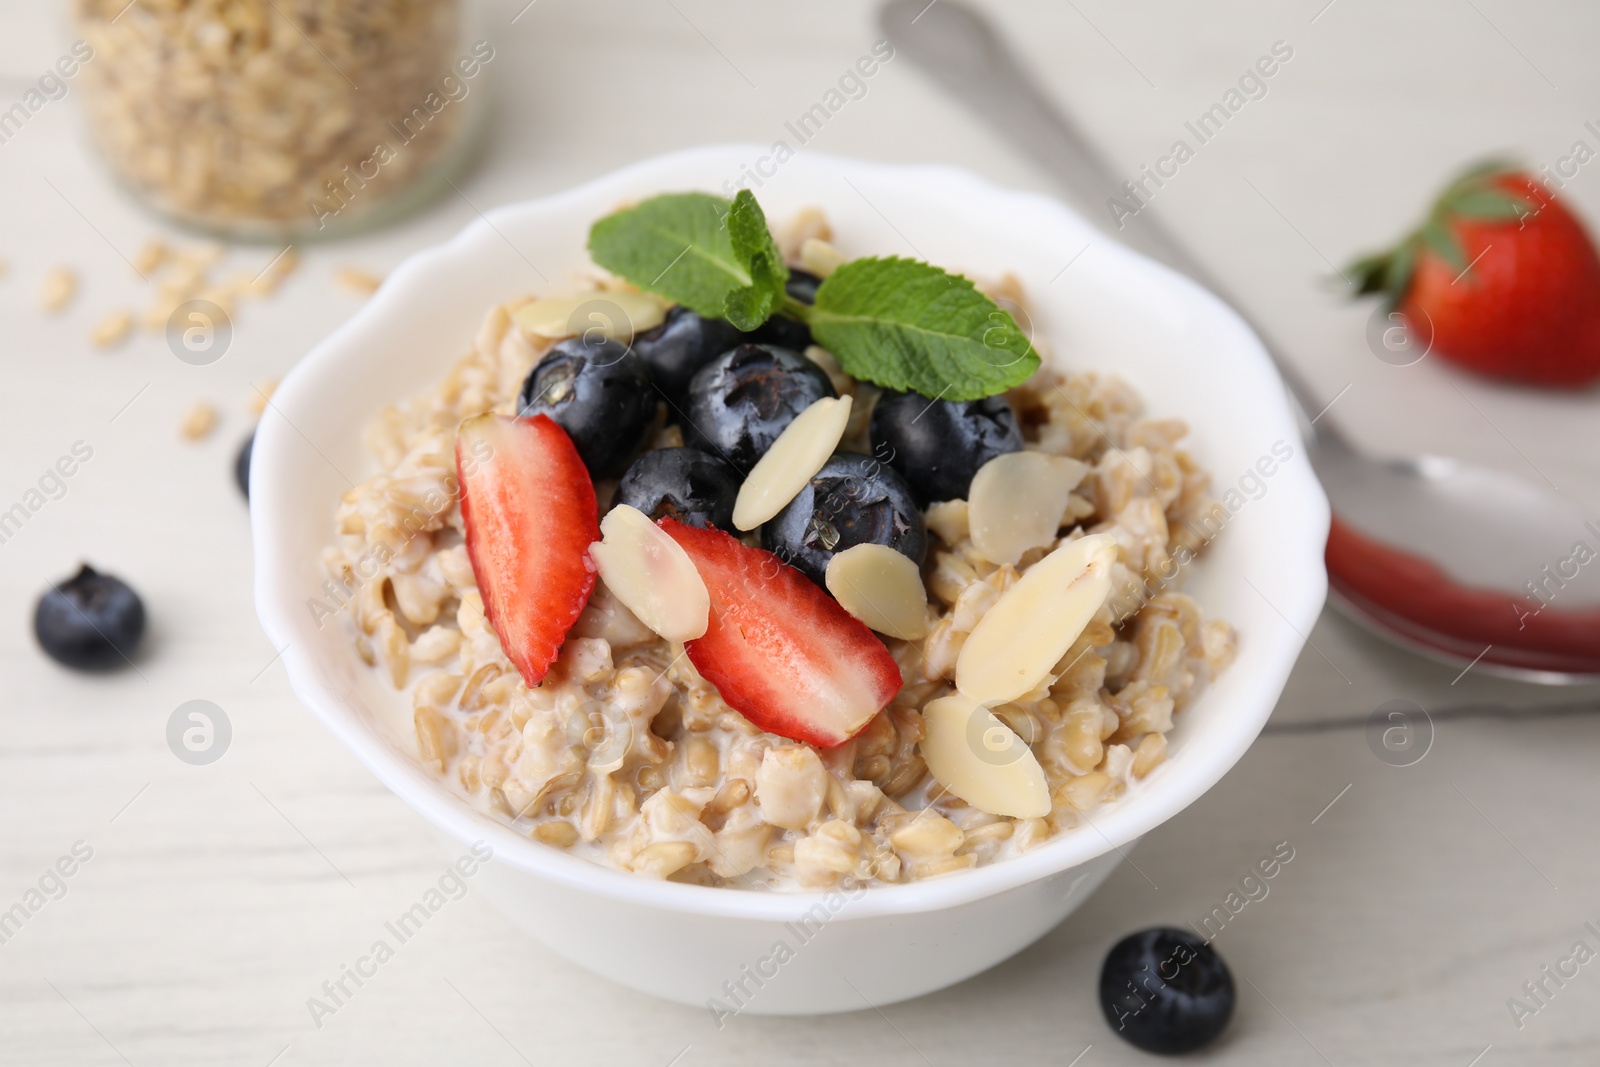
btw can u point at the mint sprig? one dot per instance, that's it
(680, 246)
(898, 323)
(906, 325)
(752, 242)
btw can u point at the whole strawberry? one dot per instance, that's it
(1501, 279)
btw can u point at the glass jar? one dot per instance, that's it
(282, 119)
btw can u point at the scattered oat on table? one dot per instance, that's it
(113, 329)
(260, 394)
(150, 257)
(199, 422)
(60, 286)
(272, 275)
(357, 280)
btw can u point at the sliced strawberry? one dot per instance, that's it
(529, 510)
(782, 652)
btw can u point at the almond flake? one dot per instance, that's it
(882, 588)
(819, 257)
(794, 458)
(950, 519)
(1033, 624)
(980, 759)
(651, 574)
(618, 316)
(1017, 500)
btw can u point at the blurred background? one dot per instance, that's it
(220, 896)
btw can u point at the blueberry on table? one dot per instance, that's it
(600, 393)
(694, 487)
(1166, 991)
(741, 401)
(783, 331)
(938, 445)
(681, 345)
(241, 465)
(852, 500)
(90, 621)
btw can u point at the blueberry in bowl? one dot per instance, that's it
(853, 500)
(694, 487)
(89, 622)
(600, 393)
(1165, 991)
(938, 445)
(741, 401)
(680, 346)
(783, 331)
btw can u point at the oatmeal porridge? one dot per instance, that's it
(1028, 648)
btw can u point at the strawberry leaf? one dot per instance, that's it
(1489, 205)
(1439, 238)
(1371, 273)
(1398, 276)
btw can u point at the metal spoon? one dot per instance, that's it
(1486, 534)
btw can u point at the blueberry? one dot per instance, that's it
(1164, 990)
(681, 345)
(938, 445)
(601, 394)
(241, 465)
(741, 401)
(783, 331)
(692, 486)
(803, 286)
(91, 621)
(852, 500)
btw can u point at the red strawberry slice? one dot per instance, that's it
(782, 652)
(529, 510)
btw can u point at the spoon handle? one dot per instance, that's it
(960, 50)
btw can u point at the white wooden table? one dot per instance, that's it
(219, 898)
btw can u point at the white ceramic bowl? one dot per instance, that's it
(1186, 353)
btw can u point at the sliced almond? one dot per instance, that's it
(951, 520)
(618, 316)
(1027, 632)
(651, 574)
(981, 760)
(1016, 502)
(819, 257)
(882, 588)
(798, 454)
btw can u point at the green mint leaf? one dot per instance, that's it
(678, 245)
(906, 325)
(754, 247)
